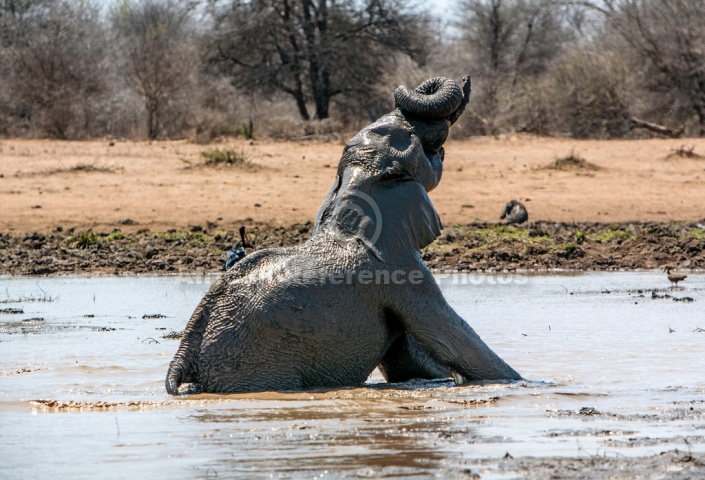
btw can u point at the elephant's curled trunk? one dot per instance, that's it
(436, 98)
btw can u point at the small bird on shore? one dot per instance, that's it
(515, 212)
(238, 253)
(674, 277)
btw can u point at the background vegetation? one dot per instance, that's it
(162, 69)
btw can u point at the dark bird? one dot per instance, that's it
(674, 277)
(515, 212)
(238, 253)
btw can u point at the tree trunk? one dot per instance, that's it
(301, 105)
(152, 118)
(322, 104)
(701, 118)
(315, 24)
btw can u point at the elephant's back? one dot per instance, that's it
(295, 323)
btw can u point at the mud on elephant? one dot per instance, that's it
(357, 295)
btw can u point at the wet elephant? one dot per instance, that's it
(357, 295)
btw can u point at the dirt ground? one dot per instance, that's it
(131, 207)
(92, 184)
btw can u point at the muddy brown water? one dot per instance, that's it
(611, 369)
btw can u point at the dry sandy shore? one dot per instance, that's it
(46, 184)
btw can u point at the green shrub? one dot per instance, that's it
(573, 161)
(229, 156)
(698, 233)
(83, 240)
(246, 130)
(116, 235)
(612, 234)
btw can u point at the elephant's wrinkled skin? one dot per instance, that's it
(355, 296)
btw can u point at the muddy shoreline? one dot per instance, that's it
(541, 246)
(670, 464)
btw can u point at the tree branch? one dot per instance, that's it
(653, 127)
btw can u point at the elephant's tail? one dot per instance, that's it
(174, 377)
(184, 367)
(182, 370)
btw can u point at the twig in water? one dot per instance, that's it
(151, 340)
(689, 457)
(44, 294)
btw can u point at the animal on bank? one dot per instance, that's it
(238, 253)
(515, 212)
(357, 294)
(674, 277)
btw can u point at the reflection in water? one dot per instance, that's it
(613, 369)
(366, 431)
(313, 439)
(369, 431)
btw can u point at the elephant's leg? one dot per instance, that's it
(405, 360)
(448, 339)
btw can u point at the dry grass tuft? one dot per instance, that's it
(571, 162)
(78, 168)
(684, 152)
(226, 157)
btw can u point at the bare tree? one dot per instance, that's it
(157, 53)
(513, 37)
(591, 94)
(11, 15)
(314, 50)
(54, 70)
(512, 42)
(666, 42)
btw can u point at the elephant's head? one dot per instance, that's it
(380, 194)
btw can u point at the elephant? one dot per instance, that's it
(355, 296)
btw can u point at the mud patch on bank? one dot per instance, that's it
(20, 371)
(685, 413)
(39, 326)
(674, 464)
(54, 406)
(473, 247)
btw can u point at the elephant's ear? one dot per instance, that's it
(409, 221)
(394, 219)
(328, 205)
